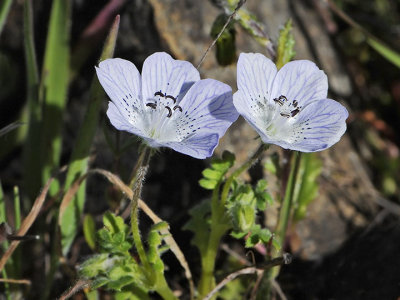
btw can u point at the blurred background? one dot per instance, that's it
(346, 246)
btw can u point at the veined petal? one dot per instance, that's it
(119, 121)
(161, 73)
(255, 76)
(320, 125)
(198, 146)
(207, 107)
(122, 83)
(300, 80)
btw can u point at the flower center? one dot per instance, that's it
(287, 109)
(165, 103)
(162, 108)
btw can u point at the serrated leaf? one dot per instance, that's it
(199, 225)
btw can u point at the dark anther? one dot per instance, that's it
(171, 97)
(152, 105)
(295, 112)
(295, 103)
(159, 94)
(169, 111)
(285, 115)
(177, 107)
(280, 100)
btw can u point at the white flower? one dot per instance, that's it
(288, 107)
(168, 105)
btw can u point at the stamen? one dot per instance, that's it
(295, 112)
(159, 94)
(280, 100)
(177, 107)
(285, 115)
(295, 103)
(152, 105)
(171, 97)
(169, 111)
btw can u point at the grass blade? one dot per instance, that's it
(385, 51)
(31, 147)
(5, 6)
(79, 160)
(54, 85)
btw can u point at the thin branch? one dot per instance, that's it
(27, 223)
(285, 259)
(16, 281)
(79, 285)
(239, 5)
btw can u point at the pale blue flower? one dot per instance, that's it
(168, 105)
(288, 107)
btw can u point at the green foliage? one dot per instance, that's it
(306, 189)
(243, 205)
(114, 237)
(5, 6)
(80, 155)
(114, 268)
(219, 167)
(89, 231)
(199, 224)
(54, 88)
(286, 42)
(226, 48)
(244, 202)
(384, 50)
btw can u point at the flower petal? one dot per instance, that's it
(122, 83)
(198, 146)
(162, 73)
(255, 75)
(320, 125)
(119, 121)
(207, 108)
(300, 80)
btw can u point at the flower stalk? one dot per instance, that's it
(219, 224)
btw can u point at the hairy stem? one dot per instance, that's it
(139, 173)
(219, 226)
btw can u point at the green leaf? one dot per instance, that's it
(306, 189)
(199, 224)
(285, 52)
(384, 50)
(212, 174)
(89, 231)
(31, 146)
(208, 184)
(226, 48)
(5, 6)
(54, 87)
(80, 155)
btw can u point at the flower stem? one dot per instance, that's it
(139, 173)
(286, 208)
(163, 289)
(219, 225)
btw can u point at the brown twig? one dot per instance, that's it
(239, 5)
(27, 223)
(285, 259)
(79, 285)
(16, 281)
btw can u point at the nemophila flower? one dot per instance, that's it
(288, 107)
(168, 105)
